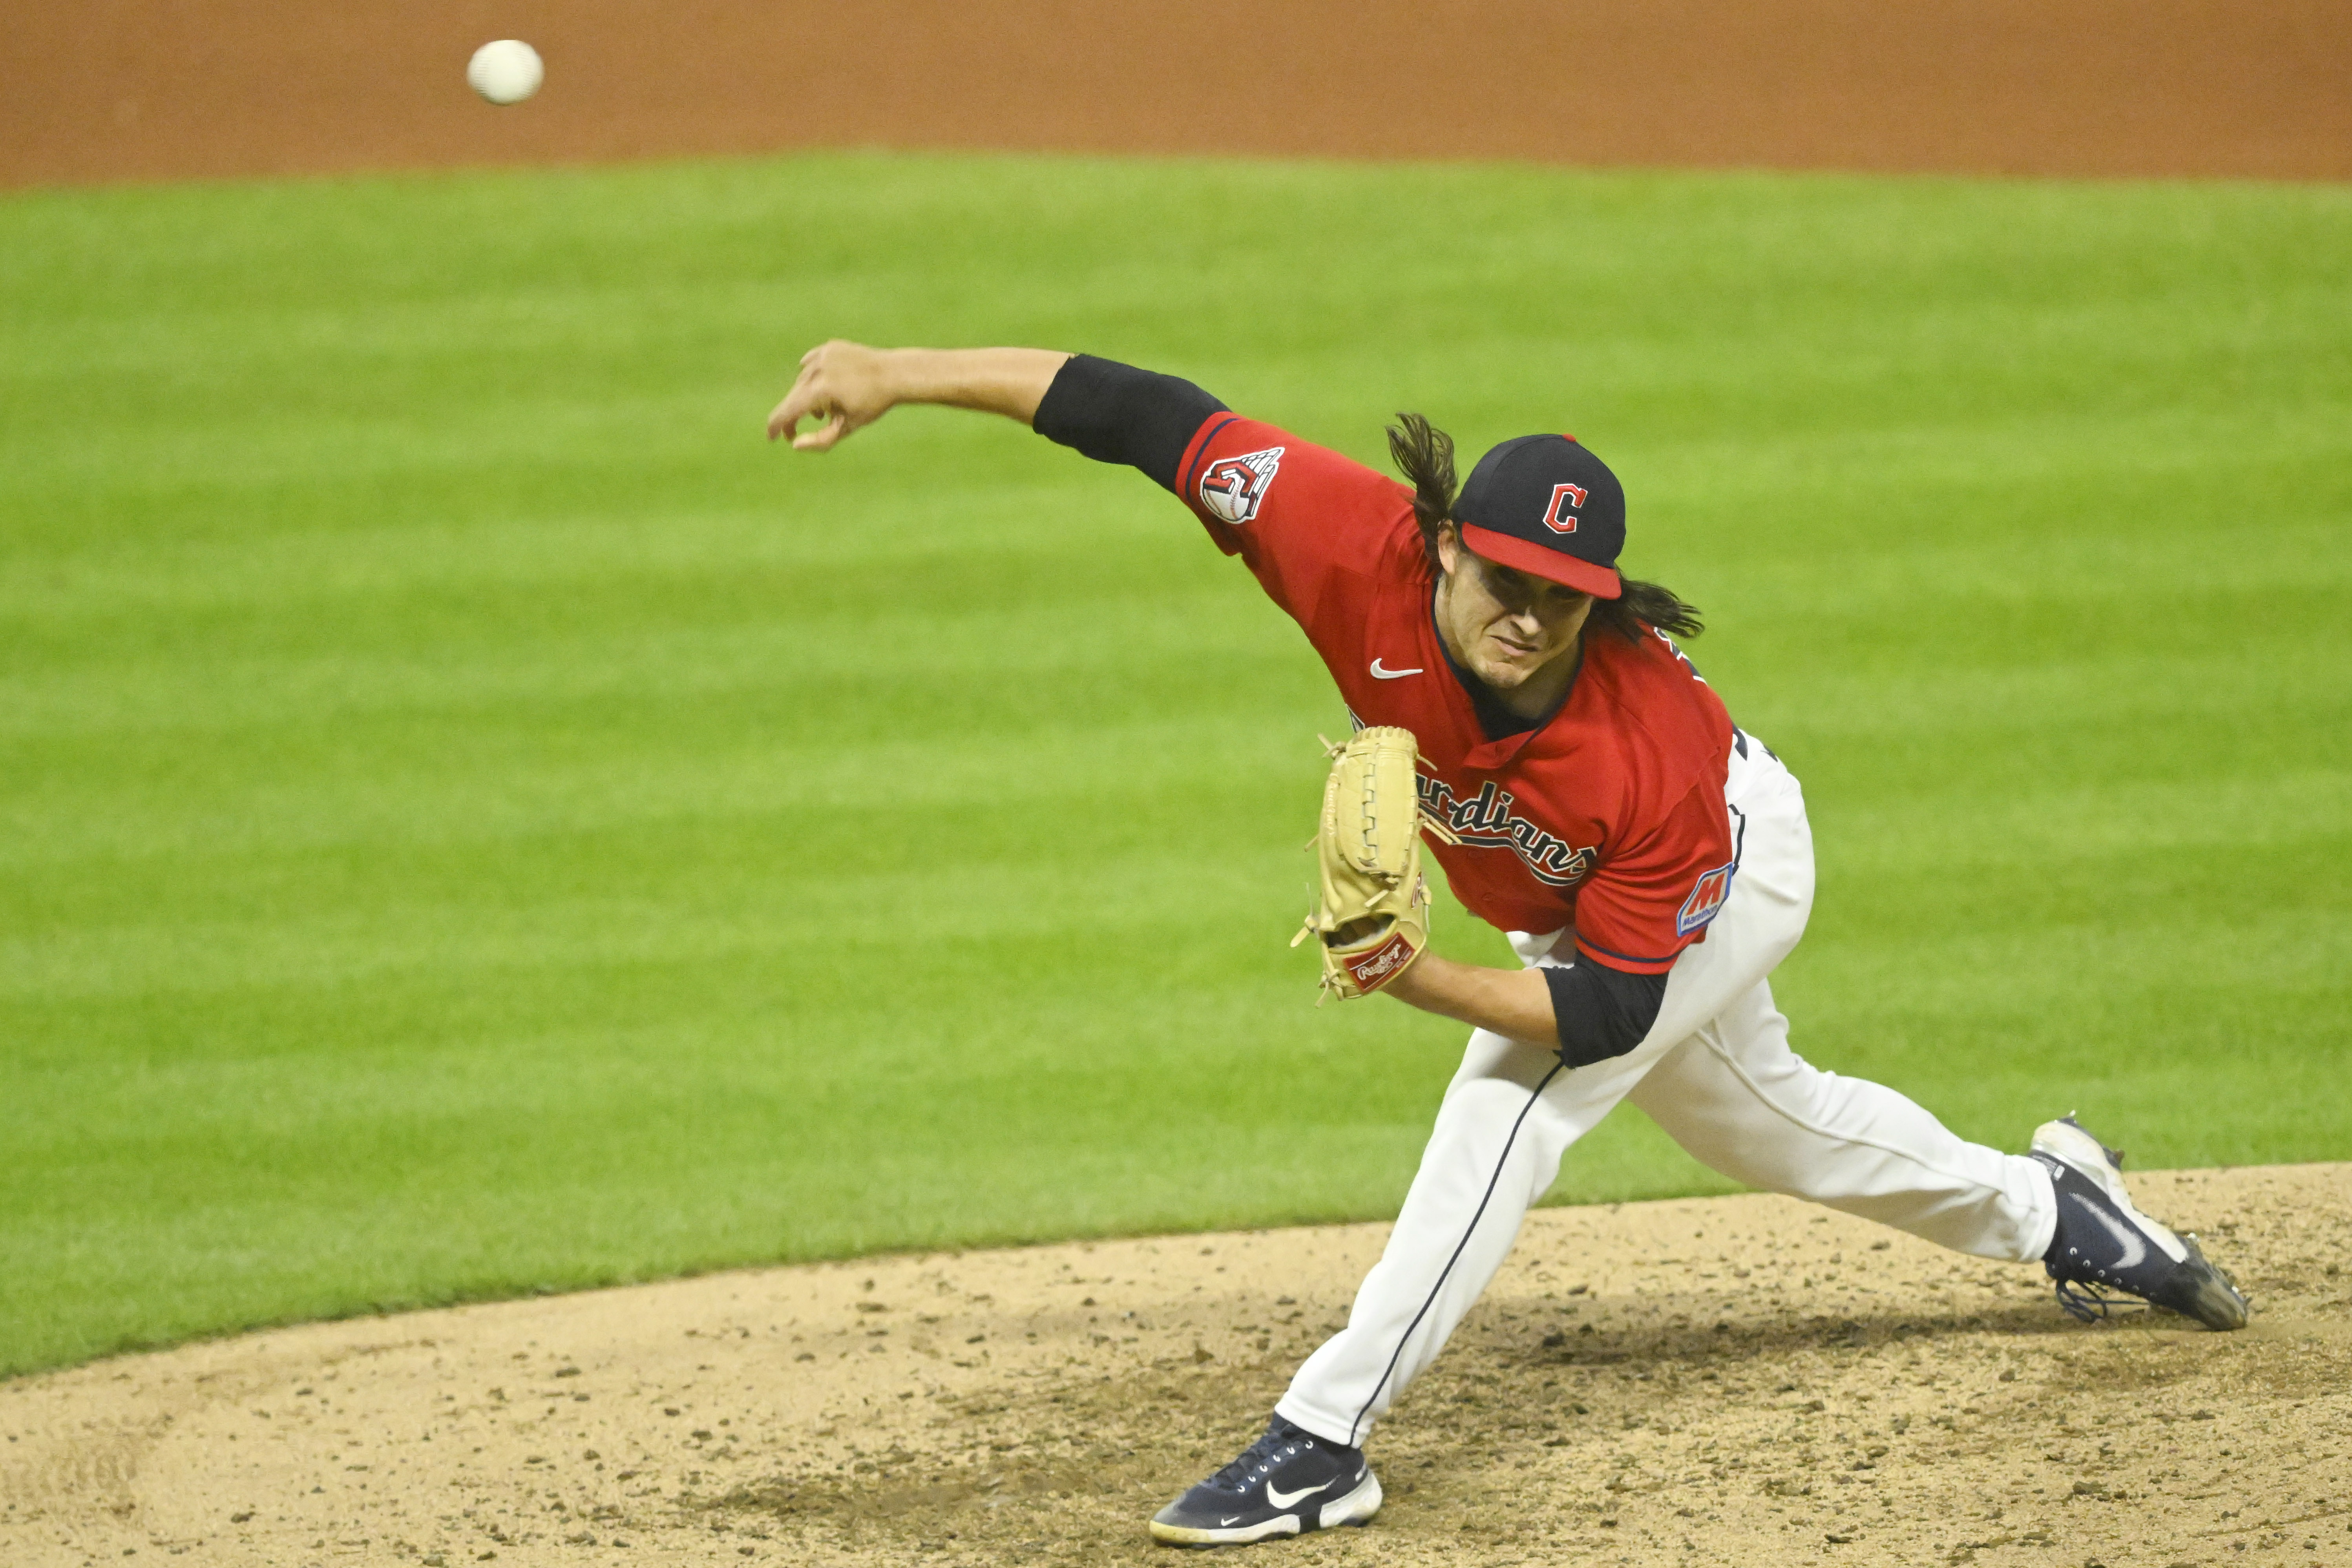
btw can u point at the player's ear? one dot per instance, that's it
(1449, 547)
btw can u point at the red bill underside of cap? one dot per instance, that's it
(1554, 566)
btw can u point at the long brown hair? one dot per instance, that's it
(1424, 456)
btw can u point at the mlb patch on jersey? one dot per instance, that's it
(1234, 487)
(1706, 901)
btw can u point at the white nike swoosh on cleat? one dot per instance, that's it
(1229, 1519)
(1379, 674)
(2135, 1244)
(1284, 1499)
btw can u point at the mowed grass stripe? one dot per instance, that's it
(472, 819)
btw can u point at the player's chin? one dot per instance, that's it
(1505, 670)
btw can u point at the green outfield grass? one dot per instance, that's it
(473, 819)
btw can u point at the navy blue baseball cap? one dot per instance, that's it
(1547, 506)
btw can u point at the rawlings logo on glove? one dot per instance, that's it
(1372, 916)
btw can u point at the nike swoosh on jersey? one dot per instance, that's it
(2135, 1244)
(1379, 674)
(1284, 1499)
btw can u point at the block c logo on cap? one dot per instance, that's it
(1553, 518)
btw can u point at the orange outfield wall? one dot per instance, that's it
(105, 89)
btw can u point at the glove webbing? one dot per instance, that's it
(1429, 823)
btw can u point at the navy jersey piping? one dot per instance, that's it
(1200, 455)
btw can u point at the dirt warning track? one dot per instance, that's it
(103, 89)
(1722, 1381)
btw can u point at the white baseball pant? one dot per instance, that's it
(1715, 1071)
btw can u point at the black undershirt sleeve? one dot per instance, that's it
(1115, 413)
(1600, 1012)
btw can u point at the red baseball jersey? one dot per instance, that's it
(1609, 818)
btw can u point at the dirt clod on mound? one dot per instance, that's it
(1737, 1381)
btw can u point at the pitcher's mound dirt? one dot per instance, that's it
(1724, 1380)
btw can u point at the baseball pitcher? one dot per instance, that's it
(1526, 717)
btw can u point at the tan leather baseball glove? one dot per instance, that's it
(1372, 916)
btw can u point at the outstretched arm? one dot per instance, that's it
(846, 387)
(1113, 413)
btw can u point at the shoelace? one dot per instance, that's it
(2089, 1303)
(1239, 1477)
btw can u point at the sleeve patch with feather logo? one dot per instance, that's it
(1233, 488)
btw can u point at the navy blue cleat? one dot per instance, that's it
(2104, 1245)
(1286, 1483)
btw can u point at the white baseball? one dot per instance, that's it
(507, 71)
